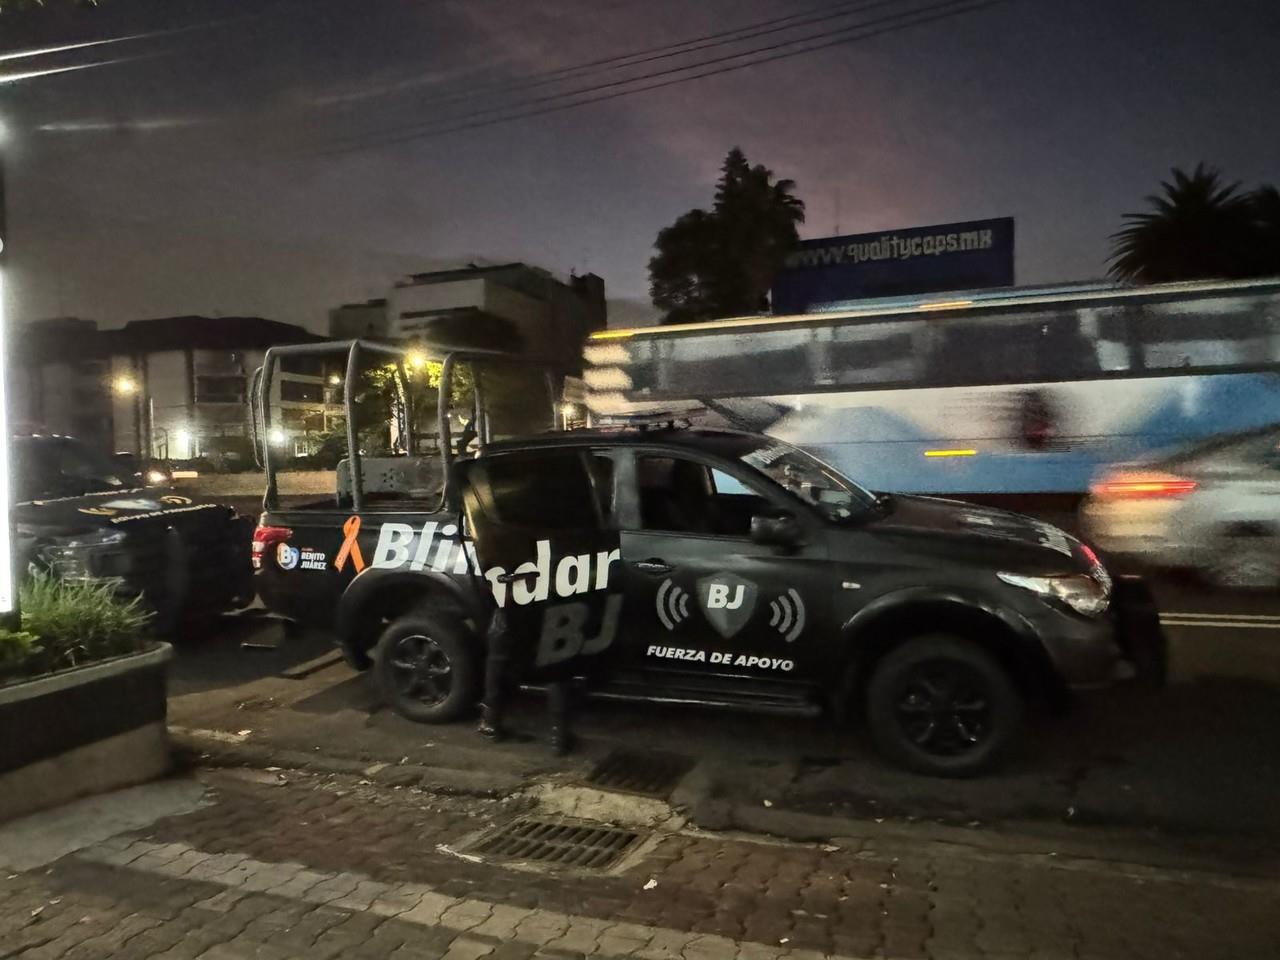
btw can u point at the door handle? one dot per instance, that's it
(653, 565)
(514, 577)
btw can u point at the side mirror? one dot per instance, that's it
(778, 531)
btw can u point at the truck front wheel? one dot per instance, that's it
(943, 706)
(426, 667)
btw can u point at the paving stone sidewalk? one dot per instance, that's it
(322, 867)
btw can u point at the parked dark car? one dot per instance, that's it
(728, 569)
(77, 515)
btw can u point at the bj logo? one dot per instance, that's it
(728, 601)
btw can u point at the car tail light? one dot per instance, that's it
(265, 539)
(1142, 485)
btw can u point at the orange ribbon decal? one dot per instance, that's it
(350, 546)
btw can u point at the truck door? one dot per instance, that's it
(547, 551)
(706, 600)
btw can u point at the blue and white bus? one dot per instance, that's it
(1023, 390)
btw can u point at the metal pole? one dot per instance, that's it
(269, 497)
(11, 618)
(353, 439)
(442, 421)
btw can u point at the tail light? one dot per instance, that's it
(1139, 485)
(265, 539)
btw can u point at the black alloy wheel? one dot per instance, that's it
(943, 709)
(422, 669)
(427, 666)
(944, 706)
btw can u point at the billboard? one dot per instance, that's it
(949, 256)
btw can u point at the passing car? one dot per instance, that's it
(78, 516)
(720, 568)
(1212, 508)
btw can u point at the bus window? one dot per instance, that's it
(1207, 333)
(757, 361)
(1107, 328)
(1011, 348)
(869, 354)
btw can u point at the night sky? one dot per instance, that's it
(199, 176)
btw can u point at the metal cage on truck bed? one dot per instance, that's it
(352, 473)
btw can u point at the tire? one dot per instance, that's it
(427, 667)
(943, 706)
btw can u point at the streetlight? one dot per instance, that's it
(276, 436)
(126, 385)
(415, 359)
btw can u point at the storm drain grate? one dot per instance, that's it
(649, 773)
(557, 842)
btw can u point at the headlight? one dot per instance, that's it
(1082, 593)
(80, 558)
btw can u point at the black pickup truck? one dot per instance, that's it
(76, 515)
(721, 568)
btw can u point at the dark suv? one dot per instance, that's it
(718, 568)
(78, 516)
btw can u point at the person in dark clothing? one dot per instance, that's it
(501, 670)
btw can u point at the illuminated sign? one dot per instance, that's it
(822, 273)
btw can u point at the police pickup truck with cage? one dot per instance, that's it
(721, 568)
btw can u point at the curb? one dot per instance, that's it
(1116, 850)
(192, 749)
(698, 797)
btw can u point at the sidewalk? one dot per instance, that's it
(1183, 772)
(281, 864)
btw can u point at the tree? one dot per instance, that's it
(721, 262)
(1199, 227)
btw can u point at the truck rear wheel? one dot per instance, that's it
(943, 706)
(426, 667)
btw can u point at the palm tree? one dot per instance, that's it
(1199, 227)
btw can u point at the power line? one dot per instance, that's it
(592, 88)
(667, 51)
(883, 25)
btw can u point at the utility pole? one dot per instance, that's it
(10, 616)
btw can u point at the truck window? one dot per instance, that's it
(556, 490)
(684, 496)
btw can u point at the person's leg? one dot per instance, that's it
(560, 708)
(496, 669)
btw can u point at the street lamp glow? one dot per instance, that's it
(334, 380)
(184, 436)
(276, 436)
(124, 385)
(415, 359)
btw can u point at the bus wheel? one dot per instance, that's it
(426, 668)
(943, 706)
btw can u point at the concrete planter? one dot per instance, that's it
(81, 731)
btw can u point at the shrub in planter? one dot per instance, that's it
(69, 623)
(82, 696)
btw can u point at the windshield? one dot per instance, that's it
(807, 477)
(49, 467)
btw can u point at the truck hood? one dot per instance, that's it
(934, 517)
(112, 509)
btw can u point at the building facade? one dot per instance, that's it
(174, 388)
(510, 306)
